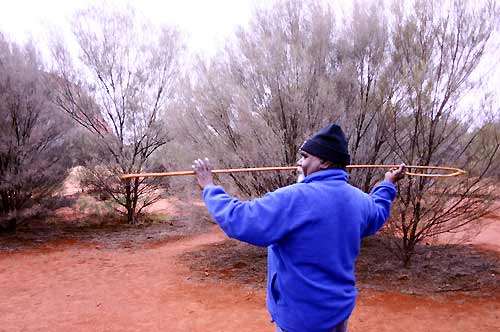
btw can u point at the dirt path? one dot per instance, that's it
(87, 288)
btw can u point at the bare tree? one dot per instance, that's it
(436, 48)
(31, 133)
(394, 79)
(365, 85)
(118, 89)
(259, 98)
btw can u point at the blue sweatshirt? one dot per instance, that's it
(313, 231)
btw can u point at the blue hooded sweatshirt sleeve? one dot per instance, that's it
(261, 221)
(380, 207)
(313, 232)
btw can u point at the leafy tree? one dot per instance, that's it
(256, 101)
(118, 89)
(436, 48)
(365, 85)
(394, 79)
(32, 162)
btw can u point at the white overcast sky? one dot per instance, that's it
(206, 22)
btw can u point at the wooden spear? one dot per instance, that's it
(453, 171)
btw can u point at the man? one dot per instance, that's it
(312, 229)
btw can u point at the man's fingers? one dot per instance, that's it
(196, 165)
(207, 164)
(200, 165)
(402, 169)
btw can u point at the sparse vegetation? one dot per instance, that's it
(393, 77)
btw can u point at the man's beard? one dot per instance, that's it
(300, 174)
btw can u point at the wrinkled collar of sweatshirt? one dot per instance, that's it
(327, 174)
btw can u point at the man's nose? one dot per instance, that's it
(299, 162)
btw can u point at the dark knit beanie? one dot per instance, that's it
(329, 144)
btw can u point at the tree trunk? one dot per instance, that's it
(129, 206)
(10, 226)
(408, 251)
(130, 215)
(6, 205)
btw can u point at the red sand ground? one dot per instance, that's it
(75, 286)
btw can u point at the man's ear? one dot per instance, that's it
(325, 164)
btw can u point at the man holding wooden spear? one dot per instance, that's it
(312, 229)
